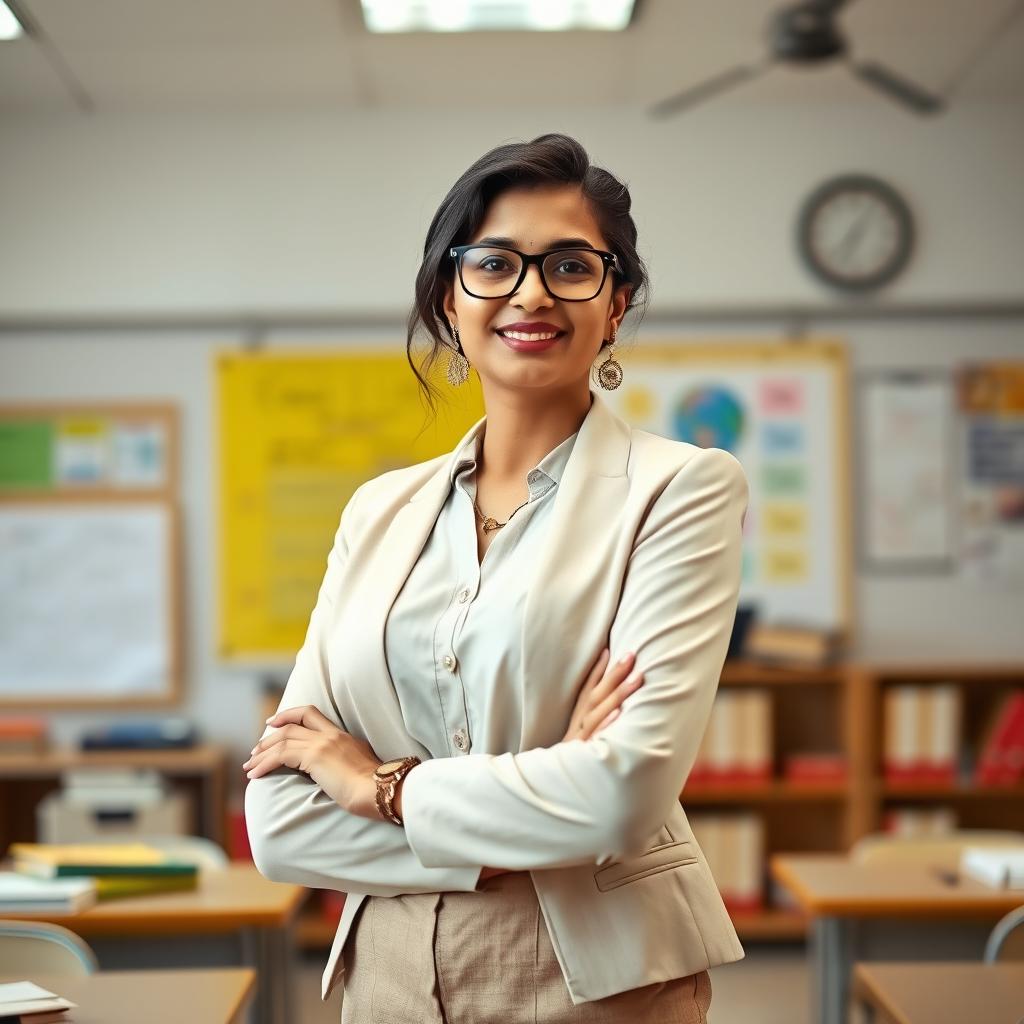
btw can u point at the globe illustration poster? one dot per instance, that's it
(710, 417)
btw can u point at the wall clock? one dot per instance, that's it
(855, 232)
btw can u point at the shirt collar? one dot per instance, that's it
(548, 471)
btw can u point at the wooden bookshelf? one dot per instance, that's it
(835, 709)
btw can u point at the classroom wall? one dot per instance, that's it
(229, 214)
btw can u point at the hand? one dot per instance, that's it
(341, 765)
(601, 696)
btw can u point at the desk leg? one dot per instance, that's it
(831, 964)
(270, 953)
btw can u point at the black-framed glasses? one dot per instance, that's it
(495, 271)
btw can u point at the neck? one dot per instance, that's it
(520, 430)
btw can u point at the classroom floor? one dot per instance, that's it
(769, 986)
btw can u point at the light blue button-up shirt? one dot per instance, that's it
(453, 637)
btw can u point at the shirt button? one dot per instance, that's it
(533, 477)
(460, 739)
(449, 662)
(464, 595)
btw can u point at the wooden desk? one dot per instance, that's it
(936, 993)
(851, 905)
(158, 997)
(252, 916)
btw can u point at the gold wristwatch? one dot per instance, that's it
(388, 775)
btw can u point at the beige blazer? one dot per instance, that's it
(643, 553)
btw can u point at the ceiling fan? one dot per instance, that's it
(808, 33)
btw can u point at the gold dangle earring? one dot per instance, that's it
(609, 373)
(458, 364)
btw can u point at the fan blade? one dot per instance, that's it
(711, 87)
(897, 87)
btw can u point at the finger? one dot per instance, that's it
(615, 699)
(608, 719)
(612, 677)
(268, 760)
(597, 671)
(307, 715)
(280, 734)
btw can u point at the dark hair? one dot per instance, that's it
(552, 159)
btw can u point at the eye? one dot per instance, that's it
(485, 263)
(574, 267)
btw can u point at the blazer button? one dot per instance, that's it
(460, 739)
(463, 595)
(449, 662)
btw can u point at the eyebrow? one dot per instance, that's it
(558, 243)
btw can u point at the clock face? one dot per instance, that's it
(855, 233)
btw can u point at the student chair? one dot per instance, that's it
(1006, 942)
(32, 947)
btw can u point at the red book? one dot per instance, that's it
(992, 759)
(1011, 757)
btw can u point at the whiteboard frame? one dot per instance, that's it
(83, 497)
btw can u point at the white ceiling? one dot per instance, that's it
(202, 54)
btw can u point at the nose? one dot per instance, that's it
(531, 293)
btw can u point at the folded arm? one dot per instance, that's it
(299, 834)
(608, 797)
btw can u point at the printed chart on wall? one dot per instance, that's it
(780, 408)
(299, 431)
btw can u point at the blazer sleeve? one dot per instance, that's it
(299, 834)
(590, 801)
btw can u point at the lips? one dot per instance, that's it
(532, 333)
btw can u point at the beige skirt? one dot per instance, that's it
(484, 957)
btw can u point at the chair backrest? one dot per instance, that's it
(939, 850)
(1006, 940)
(28, 948)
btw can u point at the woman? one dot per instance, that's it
(461, 746)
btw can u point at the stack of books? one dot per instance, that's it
(22, 894)
(921, 733)
(791, 645)
(28, 1003)
(129, 869)
(737, 744)
(1001, 758)
(23, 736)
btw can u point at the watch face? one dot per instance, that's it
(855, 232)
(389, 766)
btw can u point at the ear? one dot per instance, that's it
(620, 301)
(448, 303)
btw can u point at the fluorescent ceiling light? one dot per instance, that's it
(486, 15)
(10, 27)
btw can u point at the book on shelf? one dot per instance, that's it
(737, 744)
(921, 733)
(55, 860)
(1001, 755)
(29, 1003)
(791, 645)
(21, 735)
(815, 767)
(1001, 867)
(734, 847)
(109, 787)
(23, 894)
(919, 821)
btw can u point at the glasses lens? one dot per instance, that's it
(490, 272)
(574, 273)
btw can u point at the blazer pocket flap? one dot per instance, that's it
(661, 858)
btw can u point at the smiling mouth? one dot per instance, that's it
(531, 336)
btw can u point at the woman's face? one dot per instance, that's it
(535, 219)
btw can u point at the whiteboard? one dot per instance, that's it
(781, 409)
(86, 602)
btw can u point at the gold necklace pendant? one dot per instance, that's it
(491, 523)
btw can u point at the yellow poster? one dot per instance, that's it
(299, 431)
